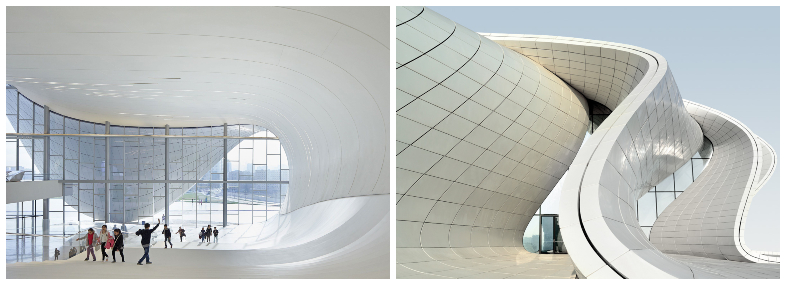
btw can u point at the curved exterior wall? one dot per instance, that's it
(708, 219)
(648, 135)
(483, 136)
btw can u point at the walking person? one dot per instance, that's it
(215, 233)
(145, 233)
(118, 245)
(209, 233)
(201, 234)
(92, 240)
(167, 236)
(104, 236)
(181, 232)
(57, 253)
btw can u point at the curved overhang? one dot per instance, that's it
(318, 77)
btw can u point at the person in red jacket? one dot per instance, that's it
(92, 240)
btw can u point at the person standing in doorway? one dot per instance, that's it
(92, 240)
(167, 236)
(215, 234)
(145, 233)
(181, 232)
(104, 236)
(118, 245)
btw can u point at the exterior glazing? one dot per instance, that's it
(261, 165)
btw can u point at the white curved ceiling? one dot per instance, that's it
(318, 77)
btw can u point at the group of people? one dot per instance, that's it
(205, 234)
(105, 240)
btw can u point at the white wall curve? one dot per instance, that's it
(708, 219)
(648, 135)
(483, 136)
(318, 77)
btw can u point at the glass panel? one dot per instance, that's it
(683, 176)
(546, 235)
(531, 237)
(663, 200)
(647, 210)
(706, 149)
(666, 184)
(697, 167)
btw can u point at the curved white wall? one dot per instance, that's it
(318, 77)
(483, 136)
(708, 219)
(648, 135)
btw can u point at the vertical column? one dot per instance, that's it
(107, 173)
(226, 176)
(166, 176)
(45, 223)
(46, 162)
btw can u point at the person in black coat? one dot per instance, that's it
(145, 233)
(201, 234)
(118, 245)
(167, 236)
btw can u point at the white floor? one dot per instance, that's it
(343, 238)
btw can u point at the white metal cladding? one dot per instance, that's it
(648, 135)
(483, 136)
(708, 219)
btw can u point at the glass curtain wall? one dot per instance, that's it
(142, 160)
(649, 206)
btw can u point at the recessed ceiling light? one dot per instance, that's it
(28, 78)
(122, 113)
(52, 82)
(139, 114)
(143, 83)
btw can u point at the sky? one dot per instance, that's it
(726, 58)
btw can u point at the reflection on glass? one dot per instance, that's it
(663, 200)
(697, 167)
(683, 177)
(647, 210)
(666, 184)
(531, 236)
(706, 149)
(546, 236)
